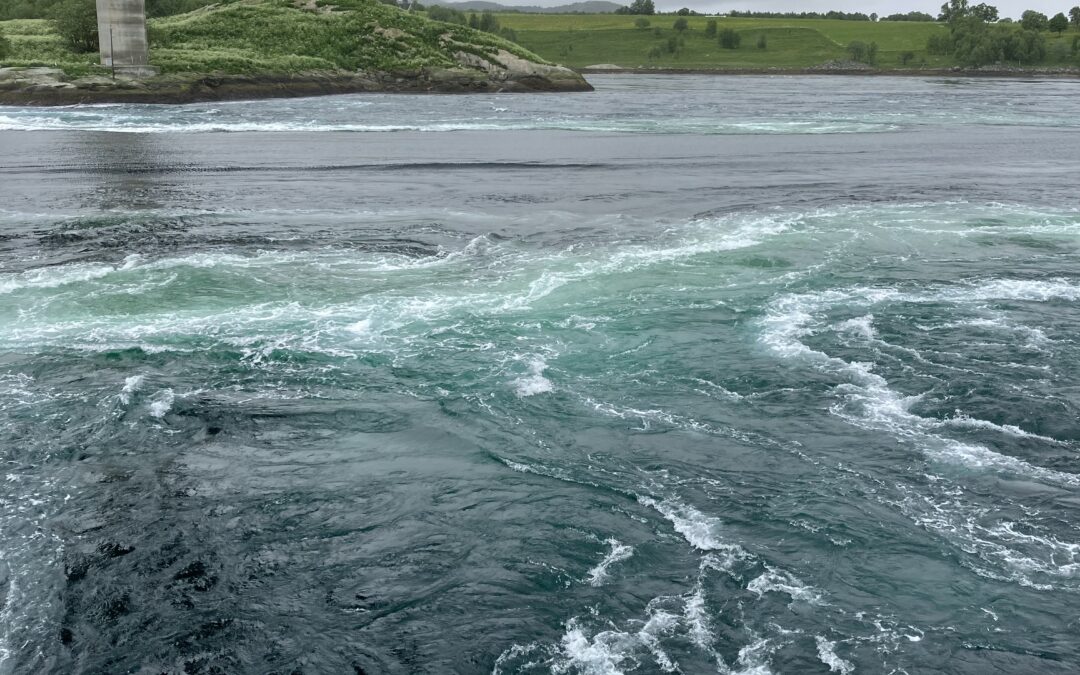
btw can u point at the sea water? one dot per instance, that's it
(689, 374)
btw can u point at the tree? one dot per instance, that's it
(685, 11)
(729, 39)
(710, 28)
(985, 12)
(873, 16)
(641, 23)
(638, 7)
(953, 10)
(5, 47)
(762, 42)
(1059, 24)
(1074, 17)
(474, 21)
(976, 44)
(906, 57)
(488, 23)
(76, 21)
(680, 24)
(858, 50)
(1032, 20)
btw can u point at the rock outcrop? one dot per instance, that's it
(51, 86)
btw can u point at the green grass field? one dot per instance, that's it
(584, 40)
(274, 36)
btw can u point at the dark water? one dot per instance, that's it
(735, 375)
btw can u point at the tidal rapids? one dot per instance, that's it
(689, 375)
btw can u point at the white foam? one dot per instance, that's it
(781, 581)
(618, 553)
(827, 655)
(1002, 550)
(869, 402)
(131, 385)
(962, 420)
(53, 277)
(162, 402)
(861, 327)
(534, 383)
(701, 531)
(606, 651)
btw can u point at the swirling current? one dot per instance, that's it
(686, 375)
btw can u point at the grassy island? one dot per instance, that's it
(249, 48)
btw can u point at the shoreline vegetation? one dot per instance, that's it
(243, 49)
(239, 49)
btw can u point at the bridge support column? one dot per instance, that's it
(122, 37)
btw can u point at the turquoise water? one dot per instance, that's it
(545, 398)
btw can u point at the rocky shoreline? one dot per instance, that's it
(507, 74)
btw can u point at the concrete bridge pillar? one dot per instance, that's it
(122, 37)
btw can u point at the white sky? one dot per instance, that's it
(1012, 8)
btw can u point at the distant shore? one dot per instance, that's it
(1062, 73)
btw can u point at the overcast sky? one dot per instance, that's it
(1011, 8)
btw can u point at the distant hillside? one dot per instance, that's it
(588, 7)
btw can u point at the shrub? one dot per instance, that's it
(762, 42)
(862, 52)
(940, 45)
(680, 24)
(641, 23)
(5, 46)
(710, 28)
(76, 21)
(730, 39)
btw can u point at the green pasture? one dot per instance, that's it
(581, 40)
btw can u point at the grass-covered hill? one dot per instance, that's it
(789, 44)
(354, 44)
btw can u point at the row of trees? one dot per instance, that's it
(974, 40)
(1030, 20)
(910, 16)
(485, 21)
(1059, 23)
(838, 16)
